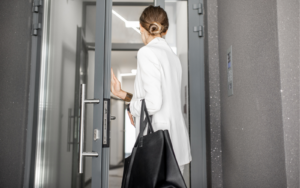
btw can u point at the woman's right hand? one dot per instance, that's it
(131, 118)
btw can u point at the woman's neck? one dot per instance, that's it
(150, 38)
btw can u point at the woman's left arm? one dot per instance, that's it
(150, 72)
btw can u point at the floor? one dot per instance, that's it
(115, 177)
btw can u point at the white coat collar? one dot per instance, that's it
(156, 40)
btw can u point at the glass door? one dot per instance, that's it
(126, 41)
(73, 119)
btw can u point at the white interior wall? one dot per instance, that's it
(128, 83)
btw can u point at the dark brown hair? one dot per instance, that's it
(155, 20)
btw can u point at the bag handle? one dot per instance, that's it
(143, 124)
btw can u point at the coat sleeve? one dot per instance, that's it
(149, 69)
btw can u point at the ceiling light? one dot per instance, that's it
(132, 24)
(127, 74)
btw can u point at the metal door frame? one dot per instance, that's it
(33, 100)
(196, 60)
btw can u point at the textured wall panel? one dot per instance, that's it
(251, 119)
(213, 97)
(288, 40)
(14, 74)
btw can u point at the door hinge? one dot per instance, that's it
(199, 29)
(36, 5)
(35, 28)
(199, 7)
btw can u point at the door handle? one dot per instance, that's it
(82, 154)
(112, 117)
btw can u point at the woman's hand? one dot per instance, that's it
(115, 86)
(131, 118)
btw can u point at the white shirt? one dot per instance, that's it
(158, 81)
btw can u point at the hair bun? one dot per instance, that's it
(155, 28)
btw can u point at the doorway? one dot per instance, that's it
(126, 41)
(83, 39)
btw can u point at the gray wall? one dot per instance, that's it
(15, 22)
(260, 122)
(252, 132)
(288, 43)
(213, 109)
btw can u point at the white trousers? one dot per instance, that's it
(181, 169)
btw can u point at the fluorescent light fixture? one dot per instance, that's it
(128, 24)
(132, 24)
(133, 73)
(127, 74)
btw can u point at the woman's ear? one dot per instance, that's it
(163, 34)
(141, 28)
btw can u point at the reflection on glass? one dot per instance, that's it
(124, 22)
(66, 63)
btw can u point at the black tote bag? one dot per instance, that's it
(152, 163)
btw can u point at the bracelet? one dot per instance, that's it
(128, 97)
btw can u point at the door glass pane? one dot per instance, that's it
(124, 64)
(122, 132)
(125, 23)
(67, 62)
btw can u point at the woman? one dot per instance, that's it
(158, 81)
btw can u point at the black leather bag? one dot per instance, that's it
(152, 163)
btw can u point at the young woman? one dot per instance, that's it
(158, 81)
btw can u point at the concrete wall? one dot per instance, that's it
(252, 132)
(213, 117)
(14, 83)
(260, 122)
(288, 43)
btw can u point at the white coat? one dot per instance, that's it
(158, 81)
